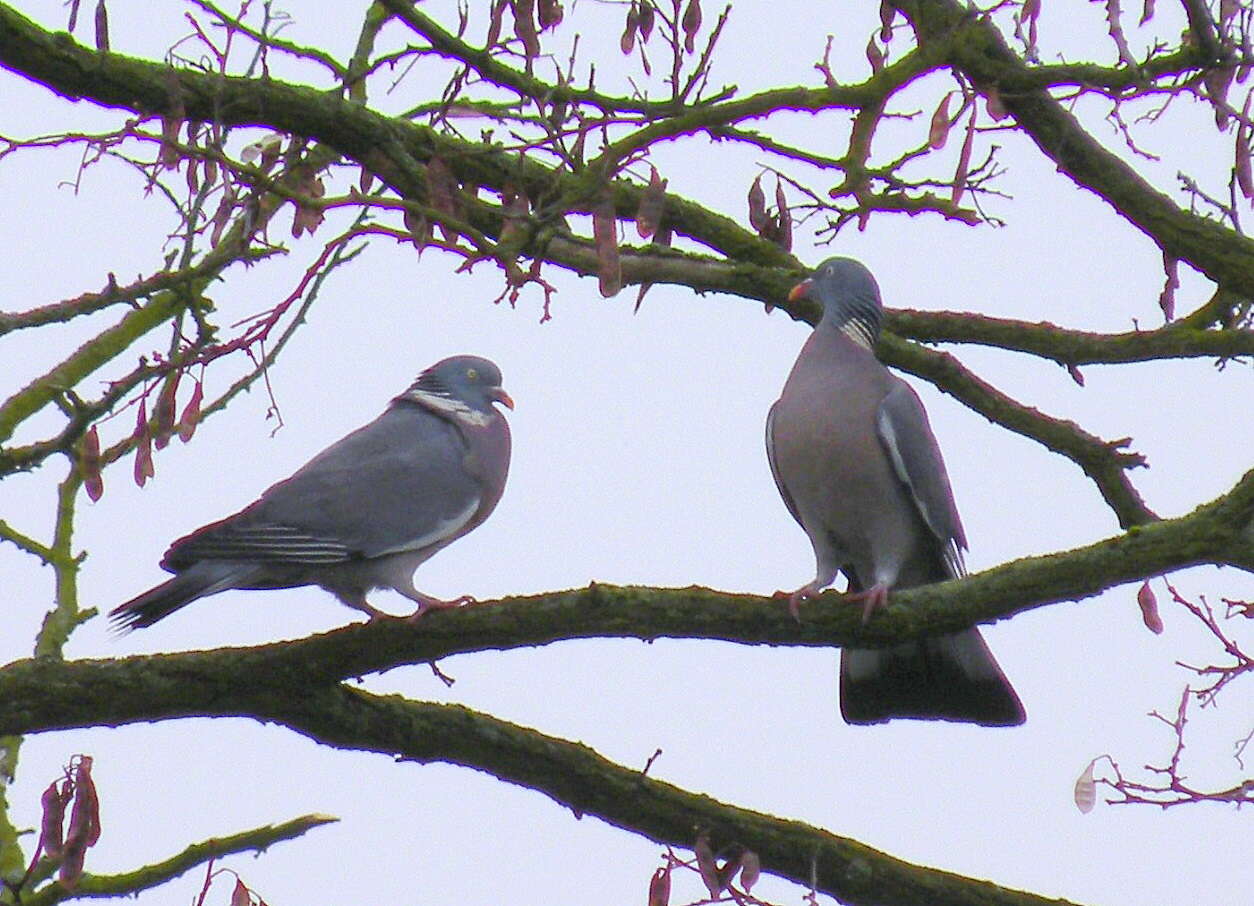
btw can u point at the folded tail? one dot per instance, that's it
(197, 581)
(949, 677)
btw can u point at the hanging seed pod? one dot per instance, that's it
(1148, 603)
(627, 43)
(89, 465)
(647, 17)
(1085, 793)
(652, 202)
(550, 13)
(660, 887)
(783, 219)
(191, 414)
(691, 24)
(874, 55)
(758, 218)
(163, 412)
(605, 238)
(938, 131)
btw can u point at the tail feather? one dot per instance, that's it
(949, 677)
(197, 581)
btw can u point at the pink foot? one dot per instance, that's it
(874, 598)
(797, 598)
(426, 604)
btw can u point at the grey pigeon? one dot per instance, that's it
(363, 513)
(858, 467)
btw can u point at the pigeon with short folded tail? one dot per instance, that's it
(858, 467)
(365, 512)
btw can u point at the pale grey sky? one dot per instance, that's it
(638, 458)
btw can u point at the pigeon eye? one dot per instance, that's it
(472, 373)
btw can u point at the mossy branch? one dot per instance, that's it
(128, 883)
(41, 694)
(978, 50)
(577, 777)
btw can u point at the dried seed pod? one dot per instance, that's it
(163, 412)
(51, 822)
(647, 16)
(652, 202)
(750, 869)
(191, 414)
(89, 465)
(605, 238)
(168, 156)
(758, 218)
(888, 12)
(660, 887)
(874, 55)
(783, 219)
(240, 896)
(993, 103)
(706, 865)
(549, 12)
(1217, 82)
(938, 131)
(1148, 603)
(691, 24)
(1245, 180)
(1085, 793)
(964, 162)
(102, 26)
(143, 446)
(627, 43)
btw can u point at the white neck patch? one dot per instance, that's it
(449, 406)
(858, 331)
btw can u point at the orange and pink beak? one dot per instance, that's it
(499, 395)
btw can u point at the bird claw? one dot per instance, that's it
(796, 599)
(439, 604)
(874, 598)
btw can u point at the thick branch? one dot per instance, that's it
(978, 50)
(577, 777)
(1071, 347)
(43, 694)
(1103, 461)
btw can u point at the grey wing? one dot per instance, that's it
(770, 457)
(397, 484)
(903, 429)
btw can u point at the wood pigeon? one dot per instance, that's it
(858, 467)
(363, 513)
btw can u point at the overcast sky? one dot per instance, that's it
(638, 458)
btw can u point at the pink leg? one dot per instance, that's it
(358, 602)
(425, 603)
(874, 598)
(798, 597)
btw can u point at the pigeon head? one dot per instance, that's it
(465, 386)
(849, 296)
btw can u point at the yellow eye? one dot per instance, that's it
(472, 373)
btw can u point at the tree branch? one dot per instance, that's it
(978, 50)
(132, 882)
(40, 694)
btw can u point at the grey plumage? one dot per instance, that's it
(858, 467)
(365, 512)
